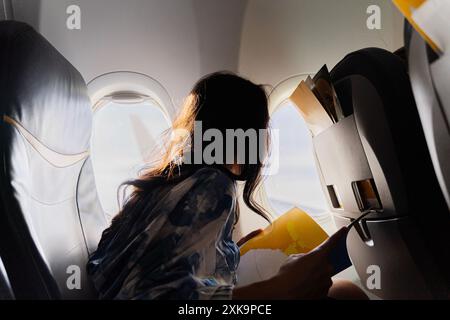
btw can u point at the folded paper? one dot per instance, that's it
(324, 91)
(292, 233)
(316, 117)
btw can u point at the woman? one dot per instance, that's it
(173, 237)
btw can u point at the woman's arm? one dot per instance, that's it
(177, 257)
(305, 276)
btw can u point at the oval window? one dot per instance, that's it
(295, 182)
(126, 136)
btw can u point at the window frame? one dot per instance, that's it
(138, 88)
(277, 98)
(103, 88)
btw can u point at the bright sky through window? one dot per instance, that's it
(125, 137)
(297, 182)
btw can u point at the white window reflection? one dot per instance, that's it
(296, 182)
(125, 138)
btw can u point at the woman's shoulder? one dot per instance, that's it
(211, 185)
(206, 195)
(213, 177)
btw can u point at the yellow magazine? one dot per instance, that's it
(292, 233)
(295, 232)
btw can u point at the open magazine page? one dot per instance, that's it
(295, 232)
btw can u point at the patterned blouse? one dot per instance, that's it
(179, 247)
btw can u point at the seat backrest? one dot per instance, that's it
(377, 158)
(51, 219)
(430, 81)
(5, 285)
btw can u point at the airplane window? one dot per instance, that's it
(125, 138)
(296, 181)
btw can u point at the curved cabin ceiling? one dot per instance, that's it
(173, 41)
(287, 37)
(178, 41)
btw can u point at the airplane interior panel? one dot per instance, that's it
(120, 174)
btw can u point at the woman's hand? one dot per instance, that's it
(302, 277)
(308, 276)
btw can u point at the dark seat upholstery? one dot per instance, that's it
(407, 239)
(50, 217)
(5, 286)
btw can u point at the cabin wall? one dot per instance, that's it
(286, 37)
(6, 12)
(175, 42)
(27, 11)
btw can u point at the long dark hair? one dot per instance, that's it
(221, 101)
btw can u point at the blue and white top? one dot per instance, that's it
(177, 246)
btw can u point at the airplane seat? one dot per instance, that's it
(376, 160)
(5, 285)
(430, 79)
(50, 217)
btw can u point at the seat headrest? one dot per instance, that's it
(386, 71)
(388, 74)
(41, 91)
(48, 194)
